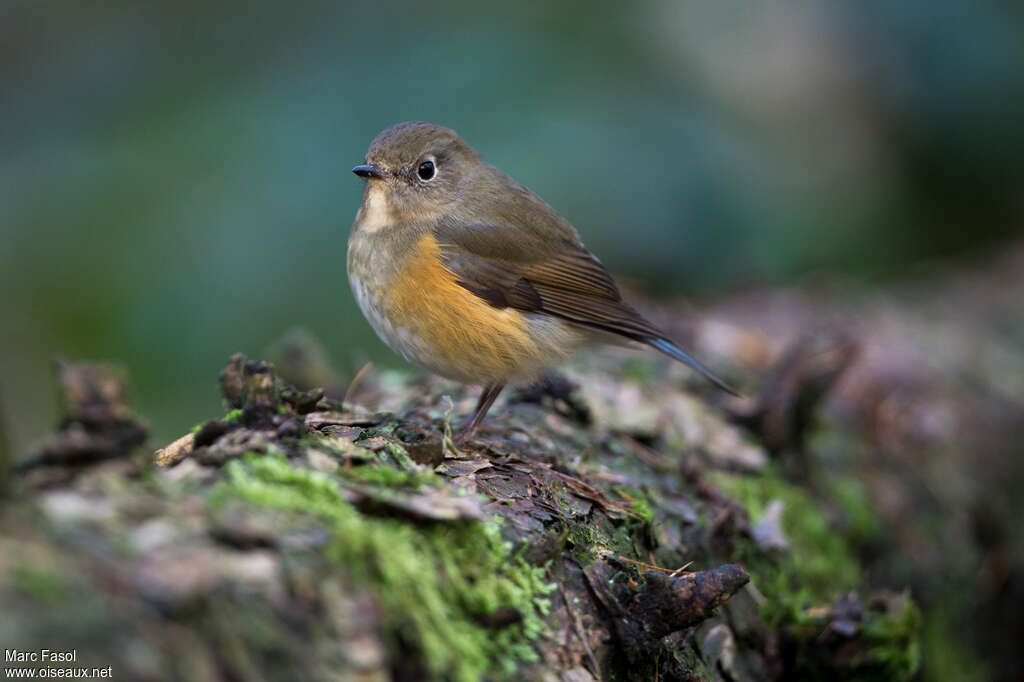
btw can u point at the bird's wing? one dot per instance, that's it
(508, 268)
(511, 268)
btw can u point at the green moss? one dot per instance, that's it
(637, 502)
(40, 583)
(639, 370)
(436, 583)
(380, 469)
(643, 510)
(584, 538)
(818, 567)
(389, 476)
(892, 641)
(861, 523)
(402, 457)
(593, 537)
(819, 564)
(233, 415)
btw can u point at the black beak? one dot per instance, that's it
(368, 171)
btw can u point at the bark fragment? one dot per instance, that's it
(96, 424)
(649, 609)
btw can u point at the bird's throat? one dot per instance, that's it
(375, 214)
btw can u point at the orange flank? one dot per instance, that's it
(466, 335)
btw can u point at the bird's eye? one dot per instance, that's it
(426, 170)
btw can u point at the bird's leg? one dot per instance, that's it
(487, 399)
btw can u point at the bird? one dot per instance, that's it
(468, 274)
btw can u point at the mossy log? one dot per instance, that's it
(596, 529)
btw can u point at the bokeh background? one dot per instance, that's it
(175, 185)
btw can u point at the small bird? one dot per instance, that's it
(470, 275)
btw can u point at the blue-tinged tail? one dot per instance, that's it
(673, 351)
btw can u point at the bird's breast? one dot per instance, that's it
(417, 307)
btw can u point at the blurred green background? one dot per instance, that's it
(175, 186)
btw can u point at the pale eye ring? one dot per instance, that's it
(427, 170)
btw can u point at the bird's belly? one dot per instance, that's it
(424, 315)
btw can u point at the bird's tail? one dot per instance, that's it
(673, 351)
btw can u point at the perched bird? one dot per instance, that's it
(468, 274)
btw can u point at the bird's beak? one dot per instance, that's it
(368, 171)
